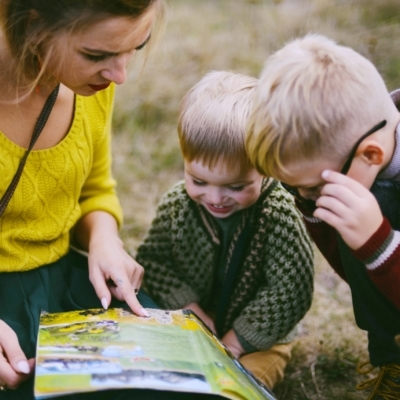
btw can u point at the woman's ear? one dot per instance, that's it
(371, 152)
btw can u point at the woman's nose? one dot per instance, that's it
(116, 70)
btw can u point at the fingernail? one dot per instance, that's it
(325, 174)
(104, 303)
(23, 366)
(145, 312)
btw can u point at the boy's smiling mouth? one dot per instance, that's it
(219, 208)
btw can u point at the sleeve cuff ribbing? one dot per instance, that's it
(380, 246)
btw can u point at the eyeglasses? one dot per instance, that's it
(310, 204)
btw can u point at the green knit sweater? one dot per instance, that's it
(274, 284)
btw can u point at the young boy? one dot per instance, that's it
(227, 242)
(324, 124)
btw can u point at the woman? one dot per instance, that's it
(65, 192)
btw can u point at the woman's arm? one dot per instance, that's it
(111, 269)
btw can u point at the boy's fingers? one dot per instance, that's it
(329, 217)
(335, 177)
(332, 204)
(339, 197)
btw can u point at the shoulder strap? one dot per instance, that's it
(41, 122)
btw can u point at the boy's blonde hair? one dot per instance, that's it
(213, 119)
(315, 99)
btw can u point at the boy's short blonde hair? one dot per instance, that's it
(315, 99)
(213, 119)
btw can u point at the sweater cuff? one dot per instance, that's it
(379, 247)
(248, 347)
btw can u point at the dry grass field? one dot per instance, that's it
(238, 35)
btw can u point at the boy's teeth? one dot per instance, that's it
(214, 205)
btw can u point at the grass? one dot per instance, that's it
(239, 35)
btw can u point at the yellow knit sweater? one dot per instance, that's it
(58, 186)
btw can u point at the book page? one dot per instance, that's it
(89, 350)
(225, 374)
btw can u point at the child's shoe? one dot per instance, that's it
(385, 386)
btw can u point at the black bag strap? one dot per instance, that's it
(41, 122)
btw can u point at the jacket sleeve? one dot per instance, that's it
(156, 254)
(287, 262)
(381, 256)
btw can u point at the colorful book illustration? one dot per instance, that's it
(91, 350)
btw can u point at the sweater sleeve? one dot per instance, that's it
(98, 192)
(287, 260)
(156, 254)
(324, 237)
(381, 256)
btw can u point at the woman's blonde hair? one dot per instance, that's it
(27, 24)
(315, 99)
(213, 118)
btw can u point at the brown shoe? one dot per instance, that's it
(385, 386)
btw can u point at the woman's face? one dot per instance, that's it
(90, 60)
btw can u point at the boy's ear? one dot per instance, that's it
(371, 152)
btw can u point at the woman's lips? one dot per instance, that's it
(99, 87)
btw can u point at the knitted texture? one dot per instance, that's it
(274, 286)
(58, 186)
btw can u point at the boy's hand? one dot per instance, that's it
(349, 207)
(14, 367)
(231, 341)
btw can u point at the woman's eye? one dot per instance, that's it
(199, 183)
(95, 58)
(236, 188)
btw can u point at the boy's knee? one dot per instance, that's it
(269, 365)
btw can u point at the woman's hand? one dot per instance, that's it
(231, 341)
(112, 270)
(202, 315)
(14, 367)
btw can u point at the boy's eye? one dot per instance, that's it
(95, 58)
(236, 188)
(199, 183)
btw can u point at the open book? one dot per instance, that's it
(91, 350)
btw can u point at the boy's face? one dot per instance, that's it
(304, 179)
(221, 191)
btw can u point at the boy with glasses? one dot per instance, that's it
(315, 102)
(227, 242)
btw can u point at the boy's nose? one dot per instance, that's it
(215, 196)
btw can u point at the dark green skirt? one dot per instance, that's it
(60, 286)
